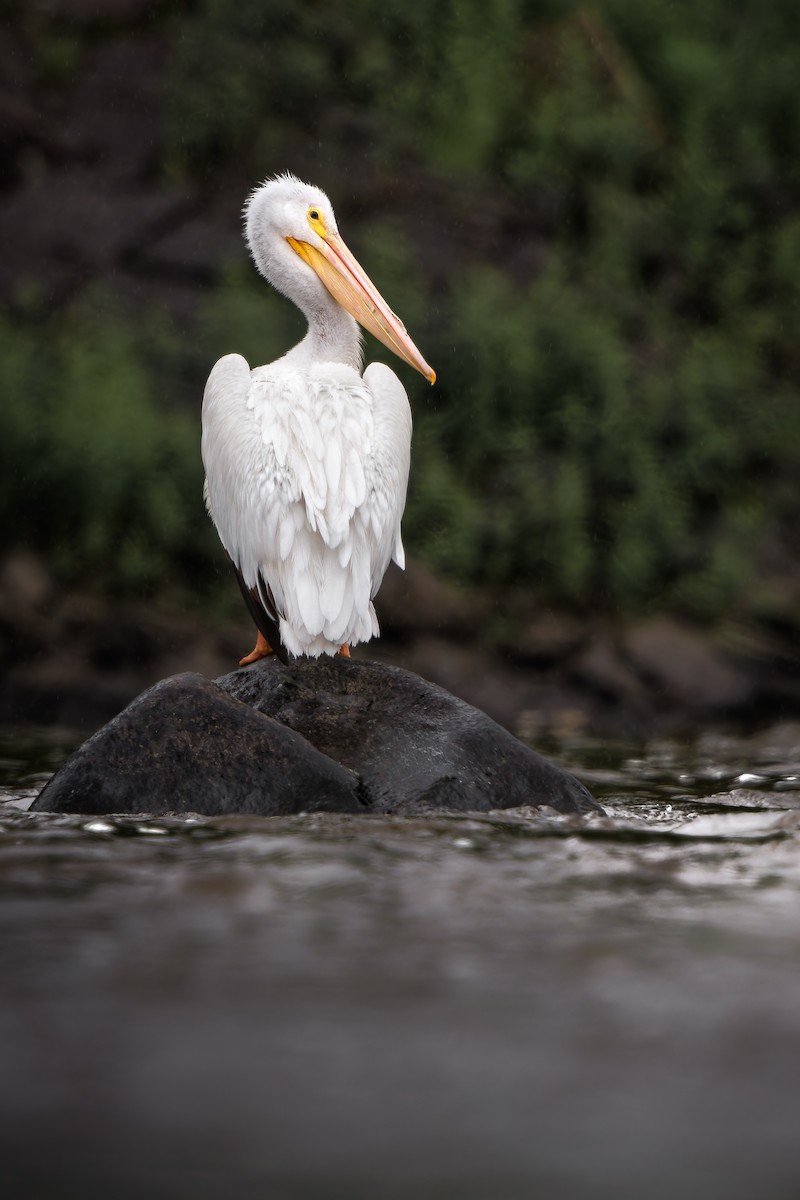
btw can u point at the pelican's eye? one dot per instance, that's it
(317, 221)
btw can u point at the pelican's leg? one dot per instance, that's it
(261, 649)
(344, 650)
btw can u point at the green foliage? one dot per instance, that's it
(587, 217)
(100, 471)
(246, 317)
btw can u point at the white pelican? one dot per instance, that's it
(307, 459)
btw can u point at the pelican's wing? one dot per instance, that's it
(388, 468)
(231, 489)
(306, 480)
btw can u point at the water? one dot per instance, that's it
(514, 1005)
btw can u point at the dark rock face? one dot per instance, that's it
(414, 746)
(679, 664)
(186, 746)
(331, 735)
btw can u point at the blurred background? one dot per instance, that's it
(589, 219)
(588, 216)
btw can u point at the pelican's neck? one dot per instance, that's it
(332, 336)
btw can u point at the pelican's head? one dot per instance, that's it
(294, 240)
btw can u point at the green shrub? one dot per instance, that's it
(100, 470)
(587, 217)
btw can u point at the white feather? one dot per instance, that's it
(307, 460)
(320, 530)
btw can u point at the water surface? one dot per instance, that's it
(510, 1005)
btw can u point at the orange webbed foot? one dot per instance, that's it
(261, 649)
(344, 650)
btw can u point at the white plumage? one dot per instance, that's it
(307, 460)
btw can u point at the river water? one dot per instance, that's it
(513, 1005)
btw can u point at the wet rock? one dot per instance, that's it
(329, 735)
(414, 746)
(186, 745)
(469, 672)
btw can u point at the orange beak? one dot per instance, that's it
(351, 287)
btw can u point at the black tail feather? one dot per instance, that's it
(266, 618)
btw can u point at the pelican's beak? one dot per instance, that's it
(351, 287)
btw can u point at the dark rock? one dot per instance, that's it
(414, 746)
(547, 638)
(600, 666)
(25, 586)
(469, 672)
(186, 746)
(415, 600)
(331, 735)
(683, 667)
(60, 688)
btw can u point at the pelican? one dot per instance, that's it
(307, 459)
